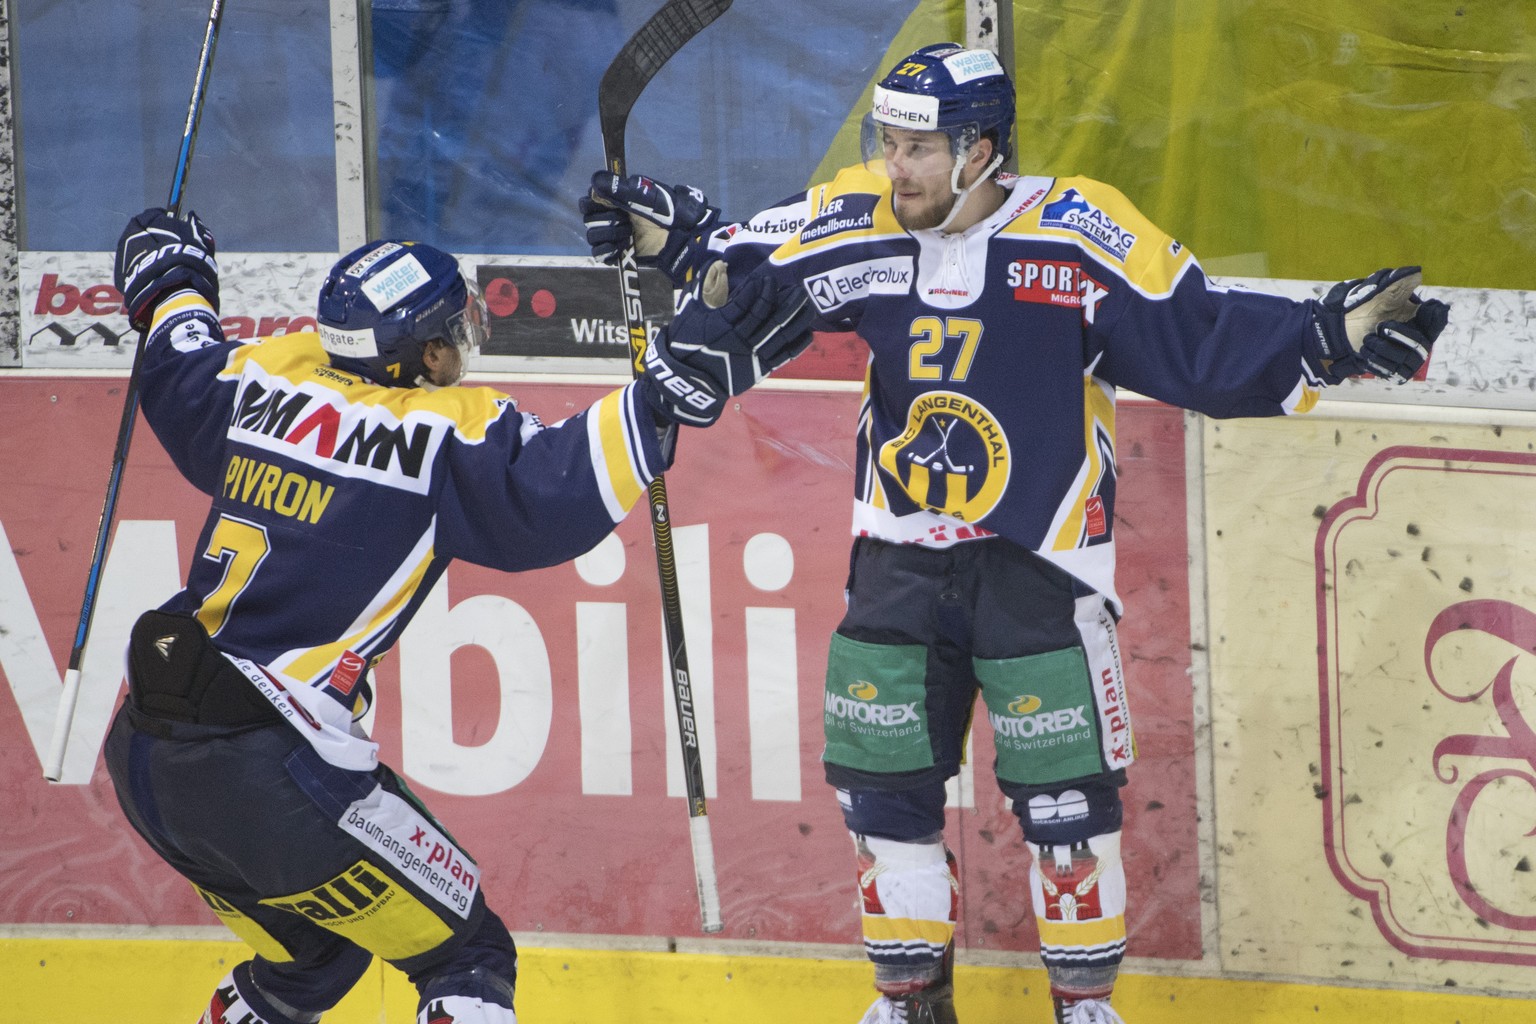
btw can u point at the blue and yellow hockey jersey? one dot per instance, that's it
(337, 503)
(996, 352)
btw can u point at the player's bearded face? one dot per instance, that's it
(919, 165)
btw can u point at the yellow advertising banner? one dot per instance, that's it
(1372, 610)
(1296, 139)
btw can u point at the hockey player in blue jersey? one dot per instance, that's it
(346, 470)
(1002, 312)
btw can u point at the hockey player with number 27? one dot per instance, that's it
(1001, 313)
(346, 470)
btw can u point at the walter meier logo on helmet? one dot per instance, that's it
(970, 64)
(385, 301)
(397, 281)
(383, 283)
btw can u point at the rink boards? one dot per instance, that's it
(1327, 645)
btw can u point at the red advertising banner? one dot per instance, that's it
(531, 711)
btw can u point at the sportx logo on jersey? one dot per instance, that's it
(321, 428)
(1074, 213)
(1056, 283)
(890, 276)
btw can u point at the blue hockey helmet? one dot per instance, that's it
(383, 301)
(947, 88)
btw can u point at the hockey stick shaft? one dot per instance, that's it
(636, 63)
(64, 718)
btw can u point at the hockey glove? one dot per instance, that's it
(677, 392)
(707, 355)
(158, 254)
(766, 324)
(1377, 325)
(662, 221)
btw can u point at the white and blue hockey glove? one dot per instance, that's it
(662, 220)
(158, 254)
(707, 355)
(1377, 325)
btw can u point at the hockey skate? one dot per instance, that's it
(930, 1006)
(1088, 1011)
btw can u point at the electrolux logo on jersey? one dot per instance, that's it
(892, 275)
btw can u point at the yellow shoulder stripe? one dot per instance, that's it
(866, 183)
(299, 358)
(618, 478)
(1102, 220)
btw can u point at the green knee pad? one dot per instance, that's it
(1044, 723)
(873, 708)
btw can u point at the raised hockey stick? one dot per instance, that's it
(67, 699)
(637, 62)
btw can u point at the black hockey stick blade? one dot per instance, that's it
(638, 61)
